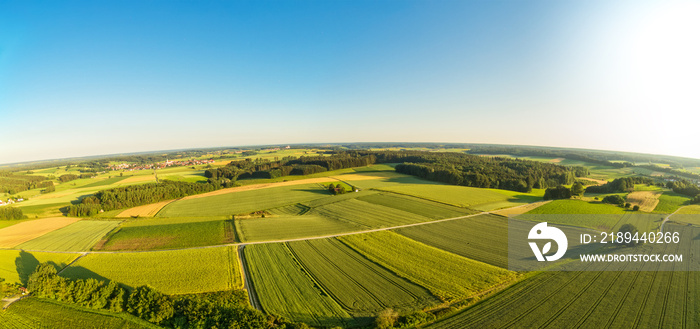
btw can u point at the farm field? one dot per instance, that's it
(689, 210)
(670, 202)
(79, 236)
(421, 207)
(284, 288)
(643, 222)
(483, 238)
(26, 230)
(366, 215)
(164, 233)
(243, 202)
(588, 299)
(646, 200)
(16, 266)
(463, 196)
(448, 276)
(577, 207)
(290, 227)
(360, 286)
(171, 272)
(45, 313)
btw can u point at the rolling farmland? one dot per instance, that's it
(171, 272)
(446, 275)
(360, 286)
(670, 202)
(78, 236)
(284, 287)
(646, 200)
(243, 202)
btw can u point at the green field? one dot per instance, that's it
(243, 202)
(172, 233)
(577, 207)
(45, 313)
(16, 266)
(421, 207)
(108, 181)
(689, 210)
(463, 196)
(627, 299)
(670, 202)
(79, 236)
(367, 215)
(289, 227)
(446, 275)
(360, 286)
(483, 238)
(284, 288)
(171, 272)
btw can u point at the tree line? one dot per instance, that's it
(226, 309)
(624, 184)
(136, 195)
(12, 182)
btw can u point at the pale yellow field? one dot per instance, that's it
(557, 160)
(599, 181)
(519, 210)
(646, 200)
(148, 210)
(25, 231)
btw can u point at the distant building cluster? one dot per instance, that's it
(10, 201)
(160, 165)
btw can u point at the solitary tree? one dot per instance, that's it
(577, 189)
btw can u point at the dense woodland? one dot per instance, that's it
(500, 173)
(12, 182)
(226, 309)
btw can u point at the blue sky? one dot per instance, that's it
(97, 77)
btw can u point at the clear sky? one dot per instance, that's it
(97, 77)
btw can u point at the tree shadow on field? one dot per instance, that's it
(79, 272)
(316, 191)
(25, 265)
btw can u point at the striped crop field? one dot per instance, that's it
(448, 276)
(360, 286)
(483, 238)
(367, 215)
(285, 288)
